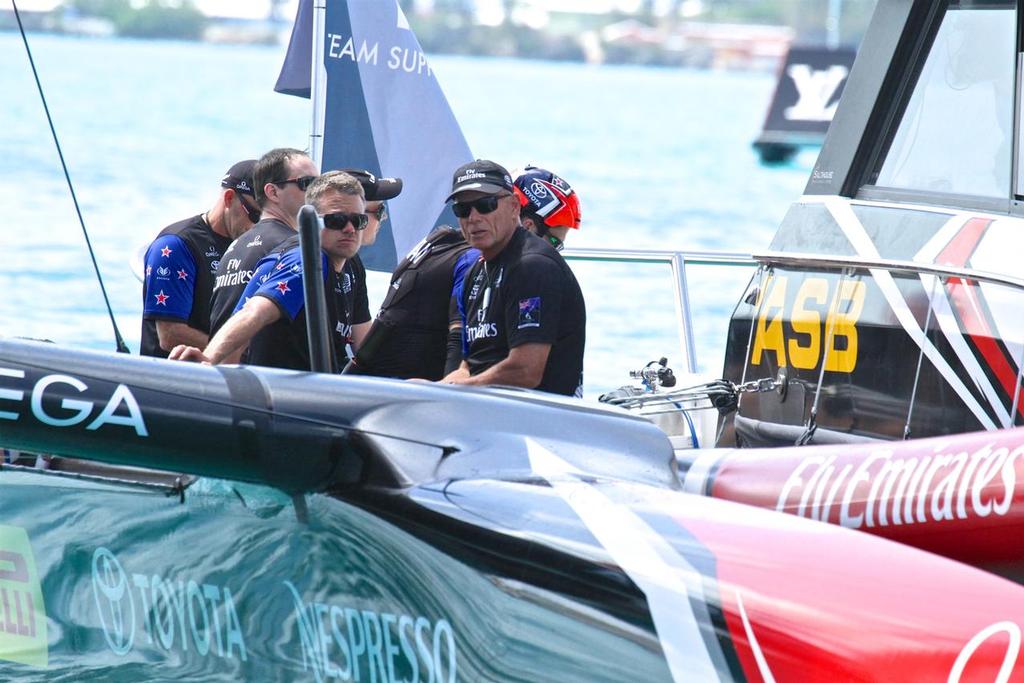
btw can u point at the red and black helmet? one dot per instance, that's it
(546, 195)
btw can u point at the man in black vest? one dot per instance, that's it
(417, 333)
(281, 177)
(182, 260)
(525, 319)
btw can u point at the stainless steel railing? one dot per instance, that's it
(777, 258)
(677, 260)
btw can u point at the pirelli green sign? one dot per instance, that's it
(22, 612)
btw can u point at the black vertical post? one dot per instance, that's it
(321, 355)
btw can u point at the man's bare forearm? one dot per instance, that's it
(523, 367)
(240, 328)
(506, 372)
(173, 334)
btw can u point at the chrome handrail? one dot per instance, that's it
(940, 272)
(776, 258)
(723, 258)
(678, 260)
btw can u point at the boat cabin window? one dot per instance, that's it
(956, 134)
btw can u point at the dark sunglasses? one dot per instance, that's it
(252, 212)
(338, 220)
(302, 183)
(483, 205)
(380, 213)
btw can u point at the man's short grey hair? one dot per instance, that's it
(333, 181)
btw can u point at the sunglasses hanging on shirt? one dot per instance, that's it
(339, 219)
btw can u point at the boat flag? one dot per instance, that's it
(384, 112)
(295, 72)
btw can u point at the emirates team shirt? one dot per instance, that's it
(238, 264)
(278, 277)
(526, 294)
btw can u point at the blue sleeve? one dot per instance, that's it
(259, 275)
(170, 279)
(280, 280)
(462, 266)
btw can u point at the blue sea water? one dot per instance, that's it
(661, 159)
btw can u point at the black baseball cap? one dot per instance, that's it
(376, 189)
(239, 177)
(481, 176)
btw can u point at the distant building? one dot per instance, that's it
(734, 46)
(35, 14)
(252, 21)
(698, 44)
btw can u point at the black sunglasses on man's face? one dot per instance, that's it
(340, 219)
(380, 213)
(302, 183)
(483, 205)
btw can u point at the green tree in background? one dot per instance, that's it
(150, 19)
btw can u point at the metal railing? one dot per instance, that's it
(942, 274)
(791, 260)
(677, 261)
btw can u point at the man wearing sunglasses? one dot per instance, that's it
(378, 190)
(281, 177)
(524, 318)
(417, 333)
(182, 261)
(270, 318)
(410, 335)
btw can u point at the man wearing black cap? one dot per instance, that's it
(182, 260)
(378, 191)
(281, 177)
(524, 315)
(408, 336)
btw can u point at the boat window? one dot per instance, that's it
(956, 135)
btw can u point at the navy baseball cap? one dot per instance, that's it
(376, 189)
(239, 177)
(481, 176)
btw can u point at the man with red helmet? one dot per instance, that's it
(550, 207)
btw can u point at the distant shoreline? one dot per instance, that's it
(635, 44)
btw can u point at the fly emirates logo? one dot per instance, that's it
(883, 489)
(481, 331)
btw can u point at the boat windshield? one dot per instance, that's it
(956, 135)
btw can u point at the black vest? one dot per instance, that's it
(206, 248)
(409, 335)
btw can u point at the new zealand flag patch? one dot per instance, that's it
(529, 312)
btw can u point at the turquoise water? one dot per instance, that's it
(661, 159)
